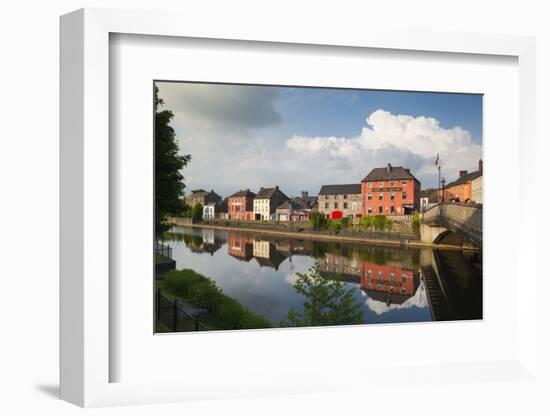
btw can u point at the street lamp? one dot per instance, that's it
(443, 187)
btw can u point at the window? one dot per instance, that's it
(345, 205)
(353, 206)
(369, 184)
(345, 197)
(369, 197)
(404, 183)
(392, 209)
(336, 205)
(404, 195)
(392, 276)
(369, 273)
(381, 184)
(380, 275)
(392, 183)
(404, 278)
(369, 210)
(380, 210)
(392, 196)
(380, 196)
(326, 205)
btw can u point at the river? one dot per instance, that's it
(393, 284)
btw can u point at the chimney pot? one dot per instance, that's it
(461, 173)
(480, 165)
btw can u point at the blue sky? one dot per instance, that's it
(242, 136)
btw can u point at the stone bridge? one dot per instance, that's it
(453, 223)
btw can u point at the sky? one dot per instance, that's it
(246, 136)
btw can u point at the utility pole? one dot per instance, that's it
(438, 164)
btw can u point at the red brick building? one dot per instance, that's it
(240, 205)
(390, 191)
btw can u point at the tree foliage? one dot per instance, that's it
(328, 302)
(196, 212)
(169, 162)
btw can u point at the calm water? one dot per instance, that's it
(393, 284)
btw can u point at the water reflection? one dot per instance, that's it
(393, 284)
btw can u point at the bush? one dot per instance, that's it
(203, 292)
(196, 212)
(415, 222)
(318, 221)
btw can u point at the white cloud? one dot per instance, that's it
(401, 140)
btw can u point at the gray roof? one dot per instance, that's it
(294, 204)
(465, 178)
(267, 193)
(353, 188)
(246, 192)
(389, 173)
(425, 193)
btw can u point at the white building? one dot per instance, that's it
(477, 190)
(266, 202)
(208, 212)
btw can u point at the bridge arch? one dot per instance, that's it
(448, 237)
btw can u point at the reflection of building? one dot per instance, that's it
(267, 255)
(240, 246)
(200, 196)
(390, 191)
(461, 189)
(346, 268)
(388, 283)
(338, 201)
(240, 205)
(266, 201)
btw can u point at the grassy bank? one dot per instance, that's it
(202, 292)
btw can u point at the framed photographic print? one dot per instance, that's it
(286, 213)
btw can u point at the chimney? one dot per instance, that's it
(388, 168)
(304, 195)
(277, 187)
(461, 173)
(480, 165)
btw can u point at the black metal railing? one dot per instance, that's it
(163, 249)
(174, 317)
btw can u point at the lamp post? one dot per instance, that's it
(443, 187)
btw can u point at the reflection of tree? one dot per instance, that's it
(328, 302)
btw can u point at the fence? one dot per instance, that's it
(171, 314)
(163, 249)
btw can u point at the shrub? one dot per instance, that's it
(196, 212)
(415, 222)
(318, 221)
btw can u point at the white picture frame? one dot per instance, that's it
(85, 214)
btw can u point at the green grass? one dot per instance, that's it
(202, 292)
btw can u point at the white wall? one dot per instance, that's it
(29, 185)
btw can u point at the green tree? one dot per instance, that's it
(318, 221)
(169, 162)
(415, 222)
(196, 212)
(328, 302)
(379, 222)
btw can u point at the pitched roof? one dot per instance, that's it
(354, 188)
(389, 173)
(465, 178)
(267, 193)
(292, 204)
(246, 192)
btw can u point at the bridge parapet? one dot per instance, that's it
(465, 220)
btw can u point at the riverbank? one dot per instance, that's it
(312, 235)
